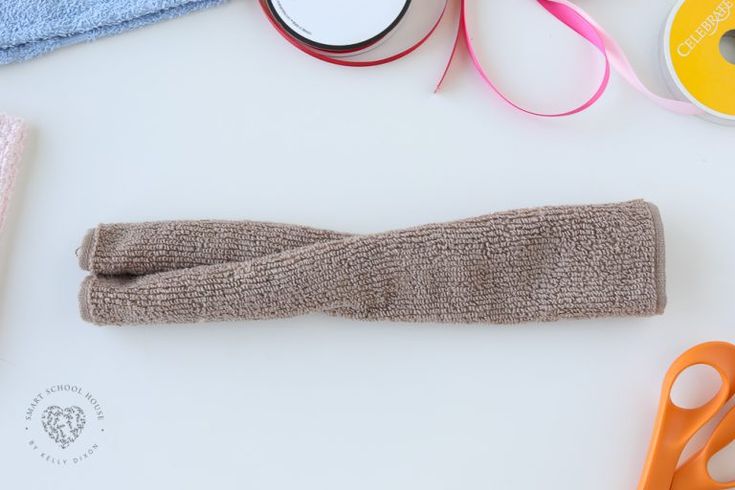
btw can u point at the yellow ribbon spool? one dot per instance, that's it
(697, 66)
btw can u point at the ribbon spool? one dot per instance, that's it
(350, 25)
(353, 32)
(696, 35)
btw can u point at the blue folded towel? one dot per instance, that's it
(29, 28)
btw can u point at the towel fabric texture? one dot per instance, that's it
(29, 28)
(12, 137)
(538, 264)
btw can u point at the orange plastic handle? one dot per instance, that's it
(675, 426)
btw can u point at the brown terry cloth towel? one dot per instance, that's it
(538, 264)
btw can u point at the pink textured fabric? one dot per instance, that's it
(12, 137)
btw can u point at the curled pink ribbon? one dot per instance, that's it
(565, 11)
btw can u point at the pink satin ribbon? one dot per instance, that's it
(565, 11)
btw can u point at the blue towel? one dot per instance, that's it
(29, 28)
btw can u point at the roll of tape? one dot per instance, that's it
(693, 40)
(339, 25)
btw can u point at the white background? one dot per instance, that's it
(215, 116)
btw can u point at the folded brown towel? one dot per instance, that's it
(527, 265)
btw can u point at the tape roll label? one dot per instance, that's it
(708, 27)
(697, 66)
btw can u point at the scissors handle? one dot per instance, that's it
(675, 426)
(693, 474)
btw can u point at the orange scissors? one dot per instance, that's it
(675, 426)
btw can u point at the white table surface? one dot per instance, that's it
(214, 116)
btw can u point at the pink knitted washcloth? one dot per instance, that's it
(12, 137)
